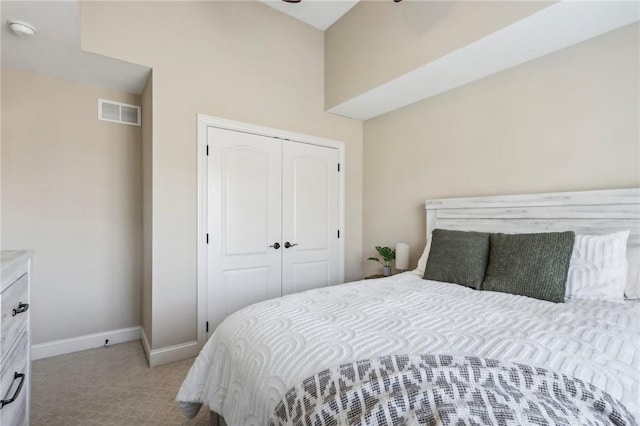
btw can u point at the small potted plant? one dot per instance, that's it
(387, 254)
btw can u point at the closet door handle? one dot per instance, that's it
(287, 244)
(16, 376)
(275, 246)
(22, 307)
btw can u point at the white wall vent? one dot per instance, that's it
(118, 112)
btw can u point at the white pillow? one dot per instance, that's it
(598, 267)
(422, 262)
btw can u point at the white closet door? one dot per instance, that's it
(309, 217)
(244, 188)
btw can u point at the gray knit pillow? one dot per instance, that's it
(458, 257)
(533, 265)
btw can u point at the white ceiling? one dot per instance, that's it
(556, 27)
(55, 49)
(319, 13)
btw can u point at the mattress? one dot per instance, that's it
(259, 352)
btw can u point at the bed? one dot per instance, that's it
(263, 357)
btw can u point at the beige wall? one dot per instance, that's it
(238, 60)
(146, 100)
(377, 41)
(71, 190)
(567, 121)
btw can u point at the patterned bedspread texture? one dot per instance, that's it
(445, 390)
(258, 353)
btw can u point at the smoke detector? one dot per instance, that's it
(21, 28)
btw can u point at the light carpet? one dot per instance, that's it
(108, 386)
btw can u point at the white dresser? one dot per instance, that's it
(15, 340)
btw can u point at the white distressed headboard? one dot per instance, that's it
(585, 212)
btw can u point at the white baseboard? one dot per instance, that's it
(155, 357)
(82, 343)
(174, 353)
(145, 345)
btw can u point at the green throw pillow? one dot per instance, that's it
(533, 265)
(458, 257)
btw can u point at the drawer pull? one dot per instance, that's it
(22, 307)
(16, 376)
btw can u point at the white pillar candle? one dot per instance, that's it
(402, 256)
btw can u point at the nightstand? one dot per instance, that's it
(372, 277)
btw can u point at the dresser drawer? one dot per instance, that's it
(14, 313)
(14, 385)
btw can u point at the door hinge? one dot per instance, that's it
(207, 326)
(207, 150)
(207, 238)
(338, 166)
(338, 233)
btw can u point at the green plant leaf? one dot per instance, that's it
(387, 253)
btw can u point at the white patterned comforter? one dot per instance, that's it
(260, 352)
